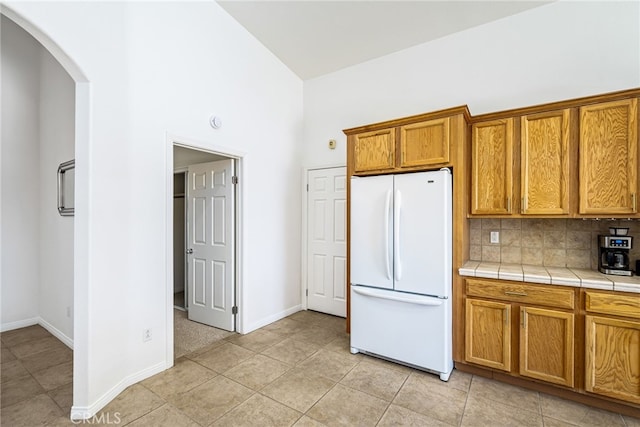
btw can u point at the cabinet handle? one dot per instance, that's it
(524, 318)
(509, 204)
(633, 201)
(515, 294)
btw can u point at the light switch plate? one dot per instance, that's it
(495, 237)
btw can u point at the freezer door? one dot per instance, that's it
(371, 227)
(422, 238)
(413, 329)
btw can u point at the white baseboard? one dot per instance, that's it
(56, 333)
(274, 318)
(19, 324)
(38, 321)
(88, 412)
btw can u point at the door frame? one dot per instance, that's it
(184, 171)
(304, 283)
(240, 171)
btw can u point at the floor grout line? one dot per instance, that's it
(329, 347)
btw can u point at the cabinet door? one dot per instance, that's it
(612, 361)
(545, 163)
(608, 158)
(491, 167)
(546, 345)
(488, 334)
(374, 151)
(425, 143)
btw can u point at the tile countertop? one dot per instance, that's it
(551, 276)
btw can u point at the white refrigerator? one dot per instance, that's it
(401, 268)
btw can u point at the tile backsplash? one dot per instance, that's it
(569, 243)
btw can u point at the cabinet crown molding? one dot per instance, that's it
(559, 105)
(463, 109)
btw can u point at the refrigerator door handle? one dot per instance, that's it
(397, 267)
(387, 218)
(397, 296)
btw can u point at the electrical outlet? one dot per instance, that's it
(495, 237)
(146, 335)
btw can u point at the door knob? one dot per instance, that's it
(189, 251)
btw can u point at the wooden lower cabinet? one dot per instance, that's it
(546, 345)
(612, 362)
(540, 332)
(488, 334)
(543, 344)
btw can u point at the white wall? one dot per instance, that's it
(157, 69)
(178, 80)
(57, 140)
(558, 51)
(20, 176)
(38, 134)
(183, 157)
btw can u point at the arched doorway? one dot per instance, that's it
(62, 121)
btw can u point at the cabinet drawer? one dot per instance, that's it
(551, 296)
(615, 304)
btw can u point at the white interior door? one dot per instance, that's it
(210, 237)
(327, 241)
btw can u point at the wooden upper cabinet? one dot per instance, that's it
(374, 151)
(425, 143)
(547, 345)
(544, 157)
(491, 167)
(609, 158)
(413, 146)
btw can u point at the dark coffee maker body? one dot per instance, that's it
(613, 255)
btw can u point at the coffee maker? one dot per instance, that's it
(613, 255)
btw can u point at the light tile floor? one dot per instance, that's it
(297, 371)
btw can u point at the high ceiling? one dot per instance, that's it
(318, 37)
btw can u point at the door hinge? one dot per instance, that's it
(234, 309)
(307, 292)
(234, 179)
(307, 187)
